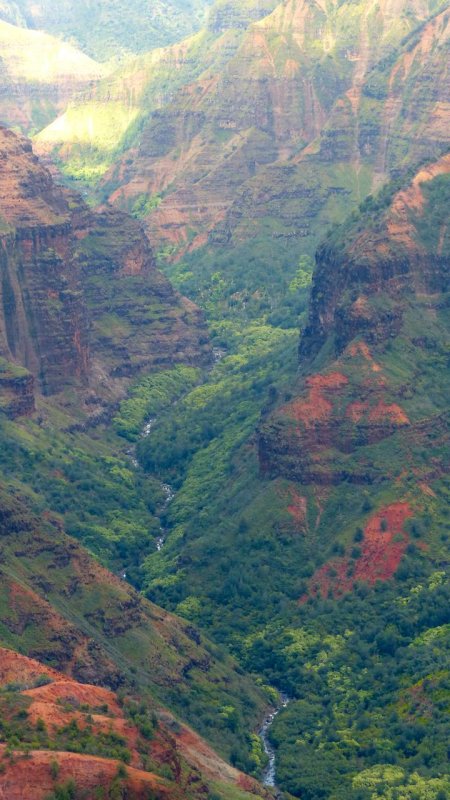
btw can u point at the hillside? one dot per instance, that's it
(109, 29)
(39, 76)
(336, 540)
(269, 140)
(62, 608)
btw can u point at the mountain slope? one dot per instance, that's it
(246, 143)
(39, 75)
(337, 553)
(388, 120)
(96, 129)
(60, 606)
(82, 302)
(108, 28)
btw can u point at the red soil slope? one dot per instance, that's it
(61, 702)
(382, 548)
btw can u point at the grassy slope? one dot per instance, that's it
(60, 606)
(40, 73)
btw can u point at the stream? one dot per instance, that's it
(169, 493)
(168, 490)
(269, 774)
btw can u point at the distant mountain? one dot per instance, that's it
(39, 75)
(109, 28)
(266, 127)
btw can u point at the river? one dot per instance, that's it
(168, 490)
(269, 774)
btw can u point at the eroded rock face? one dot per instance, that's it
(290, 130)
(377, 325)
(81, 300)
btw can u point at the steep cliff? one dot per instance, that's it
(267, 126)
(377, 334)
(82, 302)
(393, 113)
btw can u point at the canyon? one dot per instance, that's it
(224, 343)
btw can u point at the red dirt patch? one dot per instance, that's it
(361, 348)
(298, 508)
(58, 704)
(392, 413)
(66, 701)
(316, 406)
(17, 668)
(355, 411)
(31, 778)
(383, 546)
(381, 412)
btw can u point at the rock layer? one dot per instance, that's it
(377, 327)
(81, 299)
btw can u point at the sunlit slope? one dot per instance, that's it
(100, 126)
(39, 75)
(109, 28)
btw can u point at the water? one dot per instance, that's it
(169, 493)
(146, 430)
(218, 354)
(168, 490)
(269, 774)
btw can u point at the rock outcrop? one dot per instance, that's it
(377, 331)
(81, 300)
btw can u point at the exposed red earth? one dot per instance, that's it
(55, 701)
(382, 548)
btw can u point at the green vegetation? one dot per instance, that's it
(88, 480)
(366, 692)
(109, 29)
(144, 205)
(432, 226)
(213, 419)
(152, 395)
(247, 547)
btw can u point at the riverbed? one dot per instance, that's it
(269, 774)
